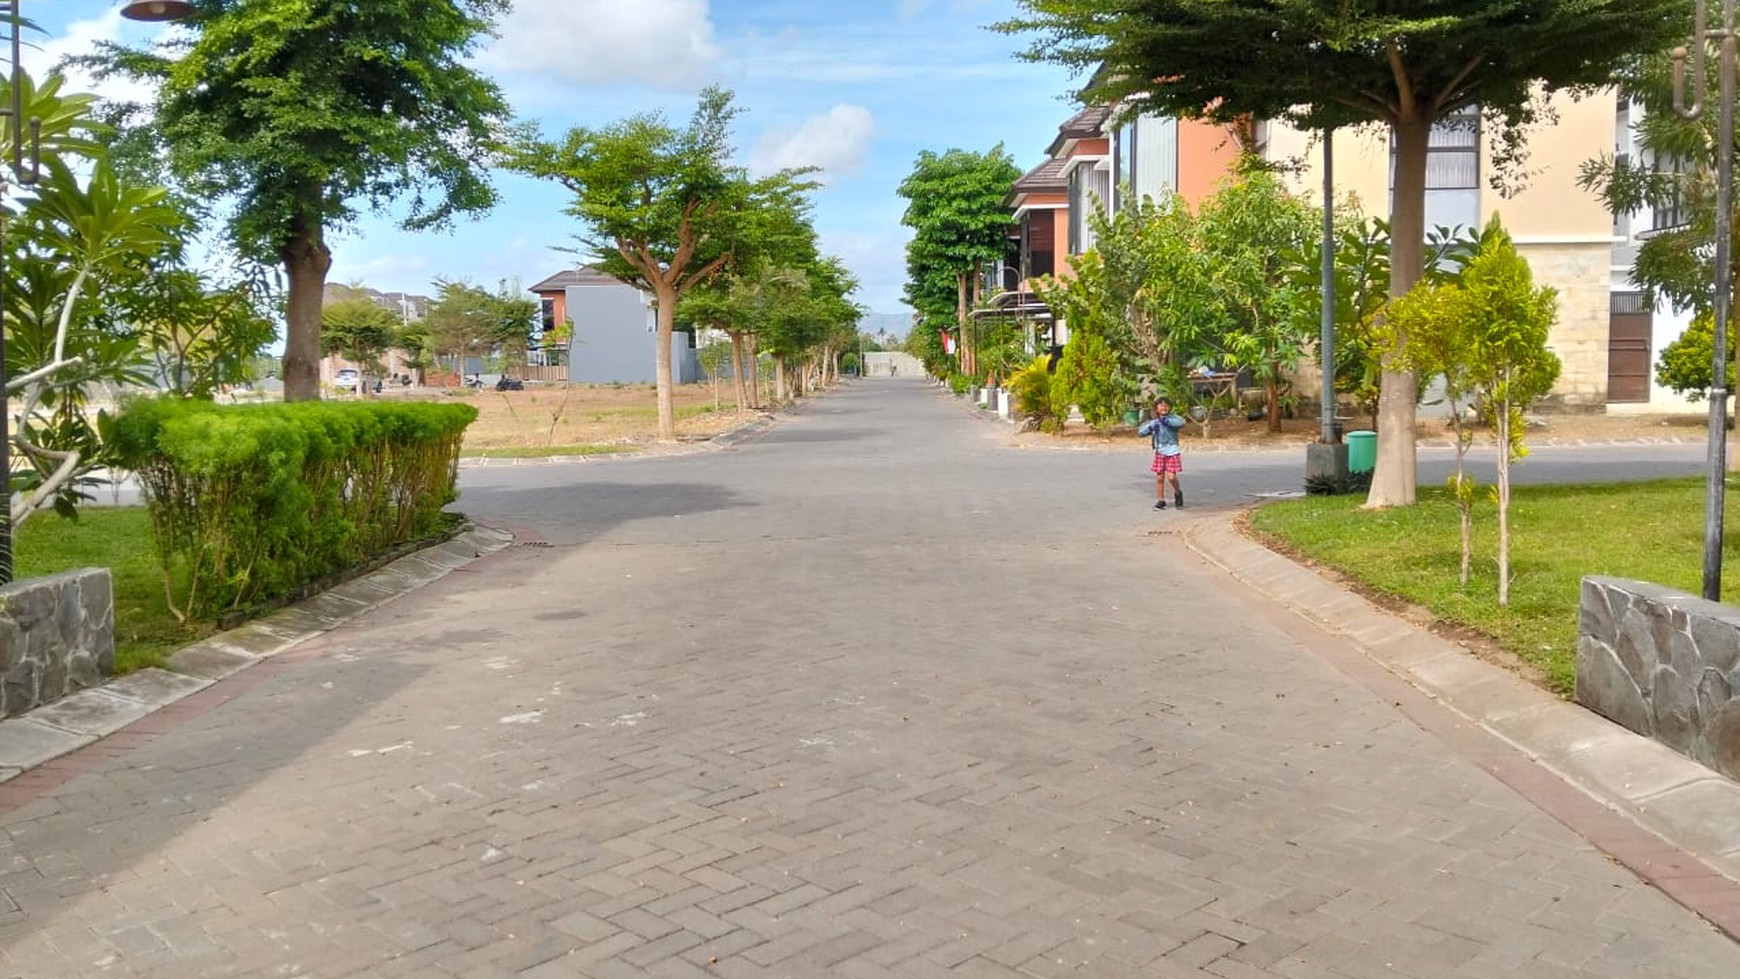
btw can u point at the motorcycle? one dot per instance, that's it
(507, 383)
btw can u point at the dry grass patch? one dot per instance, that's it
(586, 418)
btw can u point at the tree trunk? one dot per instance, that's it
(1393, 481)
(753, 369)
(1464, 496)
(966, 346)
(666, 311)
(1272, 391)
(778, 378)
(1502, 433)
(737, 351)
(306, 262)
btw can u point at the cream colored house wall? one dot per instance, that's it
(1563, 230)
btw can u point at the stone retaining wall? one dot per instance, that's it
(1663, 663)
(57, 635)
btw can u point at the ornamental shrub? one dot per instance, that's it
(1030, 389)
(1088, 377)
(250, 502)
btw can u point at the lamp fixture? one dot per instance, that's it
(157, 10)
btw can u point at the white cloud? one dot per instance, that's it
(660, 43)
(82, 37)
(837, 141)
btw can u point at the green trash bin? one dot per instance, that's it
(1361, 452)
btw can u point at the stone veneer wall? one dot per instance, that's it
(57, 636)
(1664, 664)
(1583, 274)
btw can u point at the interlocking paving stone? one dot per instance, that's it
(869, 695)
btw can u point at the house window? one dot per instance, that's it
(1146, 156)
(1089, 188)
(1671, 213)
(547, 315)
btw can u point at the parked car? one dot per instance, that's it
(347, 379)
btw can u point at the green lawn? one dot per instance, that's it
(1652, 531)
(118, 539)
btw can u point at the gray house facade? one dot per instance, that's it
(614, 329)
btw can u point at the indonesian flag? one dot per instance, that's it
(948, 342)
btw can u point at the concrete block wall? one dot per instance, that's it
(57, 636)
(1663, 663)
(1582, 273)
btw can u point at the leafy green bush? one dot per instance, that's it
(960, 383)
(1090, 378)
(1030, 389)
(249, 502)
(1687, 364)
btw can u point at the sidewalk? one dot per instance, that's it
(1672, 821)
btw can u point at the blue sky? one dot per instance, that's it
(857, 88)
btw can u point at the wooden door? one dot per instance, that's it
(1628, 349)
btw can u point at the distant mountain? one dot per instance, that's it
(896, 325)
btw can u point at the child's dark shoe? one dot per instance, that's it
(1160, 505)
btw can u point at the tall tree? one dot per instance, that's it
(1255, 235)
(781, 237)
(467, 320)
(360, 331)
(957, 210)
(1330, 63)
(663, 208)
(302, 112)
(1148, 259)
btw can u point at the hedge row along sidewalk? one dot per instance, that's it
(249, 503)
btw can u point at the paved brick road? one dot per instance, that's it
(871, 696)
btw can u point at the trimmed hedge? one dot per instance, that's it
(250, 502)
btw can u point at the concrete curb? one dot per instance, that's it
(70, 723)
(1691, 807)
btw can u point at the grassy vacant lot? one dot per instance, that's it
(118, 538)
(1652, 531)
(586, 419)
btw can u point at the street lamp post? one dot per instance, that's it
(22, 166)
(1716, 462)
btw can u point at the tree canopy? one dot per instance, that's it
(301, 113)
(664, 209)
(1331, 63)
(1673, 176)
(957, 210)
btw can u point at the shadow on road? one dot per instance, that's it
(560, 509)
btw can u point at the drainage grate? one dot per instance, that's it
(533, 543)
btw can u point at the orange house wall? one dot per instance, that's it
(1206, 153)
(561, 305)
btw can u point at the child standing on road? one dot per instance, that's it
(1162, 429)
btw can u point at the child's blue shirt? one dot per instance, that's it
(1163, 432)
